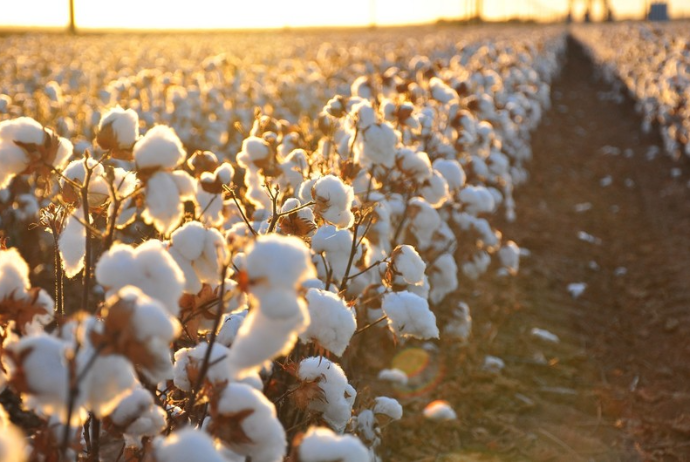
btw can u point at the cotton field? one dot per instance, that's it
(226, 218)
(652, 63)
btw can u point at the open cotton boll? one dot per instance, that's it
(406, 264)
(460, 325)
(278, 261)
(22, 129)
(188, 363)
(443, 277)
(441, 92)
(98, 187)
(333, 201)
(376, 145)
(300, 223)
(13, 160)
(363, 113)
(477, 265)
(439, 410)
(186, 445)
(336, 244)
(321, 444)
(393, 375)
(164, 201)
(424, 220)
(414, 164)
(148, 267)
(477, 199)
(199, 252)
(261, 338)
(332, 322)
(435, 190)
(107, 382)
(509, 255)
(389, 407)
(452, 172)
(409, 315)
(14, 275)
(159, 148)
(264, 438)
(230, 326)
(118, 129)
(255, 153)
(138, 416)
(144, 328)
(338, 395)
(37, 367)
(72, 243)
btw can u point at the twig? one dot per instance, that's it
(214, 332)
(373, 265)
(353, 251)
(371, 324)
(237, 203)
(87, 244)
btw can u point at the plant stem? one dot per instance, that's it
(214, 332)
(371, 324)
(87, 250)
(353, 251)
(59, 281)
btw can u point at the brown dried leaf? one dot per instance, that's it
(21, 311)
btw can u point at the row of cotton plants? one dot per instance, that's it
(204, 304)
(652, 62)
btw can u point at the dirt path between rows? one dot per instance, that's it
(617, 385)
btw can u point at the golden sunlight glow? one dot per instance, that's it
(232, 14)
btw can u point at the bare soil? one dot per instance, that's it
(617, 385)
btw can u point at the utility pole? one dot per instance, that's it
(72, 25)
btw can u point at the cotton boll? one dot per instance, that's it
(409, 315)
(118, 129)
(452, 171)
(188, 363)
(394, 376)
(336, 245)
(14, 275)
(230, 326)
(255, 154)
(321, 444)
(406, 266)
(509, 255)
(277, 261)
(388, 407)
(441, 92)
(199, 252)
(333, 201)
(477, 265)
(376, 146)
(76, 171)
(13, 160)
(148, 267)
(435, 190)
(439, 410)
(460, 325)
(300, 223)
(264, 437)
(332, 322)
(443, 277)
(477, 199)
(107, 382)
(24, 130)
(261, 338)
(164, 209)
(414, 164)
(338, 395)
(423, 221)
(186, 445)
(72, 243)
(159, 148)
(138, 416)
(37, 366)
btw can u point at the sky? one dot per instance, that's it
(220, 14)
